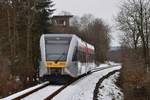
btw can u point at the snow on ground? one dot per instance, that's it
(84, 88)
(112, 63)
(43, 93)
(108, 90)
(108, 64)
(23, 92)
(81, 90)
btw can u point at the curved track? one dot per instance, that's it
(52, 90)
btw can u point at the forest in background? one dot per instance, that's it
(22, 23)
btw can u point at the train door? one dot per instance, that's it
(86, 58)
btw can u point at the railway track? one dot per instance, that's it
(24, 93)
(30, 92)
(56, 90)
(62, 88)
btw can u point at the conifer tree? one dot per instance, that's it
(42, 19)
(44, 10)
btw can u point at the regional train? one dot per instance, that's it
(65, 55)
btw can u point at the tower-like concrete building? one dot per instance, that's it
(60, 23)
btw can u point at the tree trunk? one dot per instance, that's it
(14, 31)
(9, 32)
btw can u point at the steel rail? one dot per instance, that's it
(30, 92)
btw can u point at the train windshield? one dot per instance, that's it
(57, 48)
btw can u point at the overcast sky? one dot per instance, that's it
(105, 9)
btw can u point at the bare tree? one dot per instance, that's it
(98, 35)
(94, 31)
(134, 21)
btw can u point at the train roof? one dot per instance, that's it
(70, 35)
(61, 35)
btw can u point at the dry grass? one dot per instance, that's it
(134, 80)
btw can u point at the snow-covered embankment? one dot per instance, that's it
(106, 88)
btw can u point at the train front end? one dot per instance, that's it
(54, 51)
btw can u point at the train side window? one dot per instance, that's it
(75, 55)
(80, 57)
(93, 57)
(84, 57)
